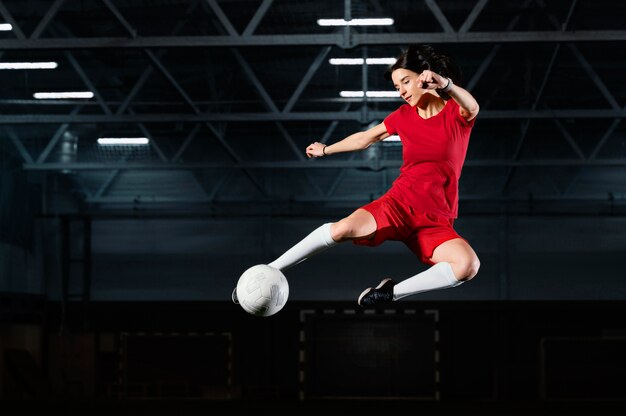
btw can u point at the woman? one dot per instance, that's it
(421, 205)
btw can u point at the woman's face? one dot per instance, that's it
(405, 82)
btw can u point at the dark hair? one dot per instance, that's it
(418, 58)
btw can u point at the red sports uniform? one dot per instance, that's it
(421, 205)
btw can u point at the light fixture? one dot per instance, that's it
(351, 94)
(384, 21)
(68, 150)
(360, 61)
(6, 27)
(62, 95)
(28, 65)
(380, 61)
(382, 94)
(392, 138)
(132, 141)
(374, 94)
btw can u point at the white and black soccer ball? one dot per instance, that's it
(262, 290)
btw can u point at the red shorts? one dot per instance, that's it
(421, 232)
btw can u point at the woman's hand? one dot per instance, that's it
(430, 80)
(315, 150)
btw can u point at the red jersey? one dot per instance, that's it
(433, 153)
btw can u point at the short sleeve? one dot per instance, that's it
(391, 122)
(457, 115)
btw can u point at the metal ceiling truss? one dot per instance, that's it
(356, 39)
(155, 48)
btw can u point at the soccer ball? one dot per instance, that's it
(262, 290)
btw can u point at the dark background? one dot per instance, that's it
(117, 265)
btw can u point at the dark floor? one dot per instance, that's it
(494, 358)
(323, 407)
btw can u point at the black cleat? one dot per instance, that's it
(383, 293)
(234, 297)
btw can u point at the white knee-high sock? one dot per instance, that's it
(319, 240)
(439, 276)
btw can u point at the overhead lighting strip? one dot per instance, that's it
(62, 95)
(28, 65)
(373, 94)
(128, 141)
(383, 21)
(361, 61)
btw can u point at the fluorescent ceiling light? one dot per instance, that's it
(375, 94)
(385, 21)
(351, 94)
(382, 93)
(61, 95)
(359, 61)
(392, 138)
(108, 141)
(5, 27)
(28, 65)
(380, 61)
(345, 61)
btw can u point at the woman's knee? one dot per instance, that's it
(341, 230)
(358, 225)
(467, 267)
(344, 229)
(461, 256)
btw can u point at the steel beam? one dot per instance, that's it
(347, 164)
(594, 113)
(334, 39)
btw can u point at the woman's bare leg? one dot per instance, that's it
(359, 224)
(455, 262)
